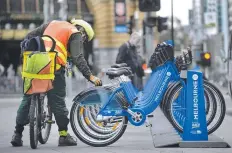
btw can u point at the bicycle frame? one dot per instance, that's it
(145, 101)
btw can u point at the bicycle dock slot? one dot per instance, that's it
(190, 114)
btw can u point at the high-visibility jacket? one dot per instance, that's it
(60, 31)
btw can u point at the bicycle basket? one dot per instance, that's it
(38, 71)
(183, 61)
(161, 55)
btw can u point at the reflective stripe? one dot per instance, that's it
(63, 133)
(100, 124)
(115, 126)
(60, 55)
(59, 44)
(58, 66)
(38, 76)
(87, 120)
(81, 111)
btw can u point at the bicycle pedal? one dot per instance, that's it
(149, 125)
(50, 122)
(150, 115)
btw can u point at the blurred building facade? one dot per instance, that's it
(206, 19)
(207, 24)
(196, 21)
(229, 5)
(18, 17)
(107, 41)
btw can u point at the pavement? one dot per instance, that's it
(135, 139)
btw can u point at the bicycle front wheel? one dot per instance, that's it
(34, 121)
(83, 119)
(46, 119)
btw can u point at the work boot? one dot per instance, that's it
(17, 140)
(67, 141)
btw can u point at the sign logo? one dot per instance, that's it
(195, 77)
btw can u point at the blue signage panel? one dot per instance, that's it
(195, 128)
(121, 29)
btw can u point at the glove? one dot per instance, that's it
(95, 80)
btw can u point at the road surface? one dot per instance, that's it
(135, 139)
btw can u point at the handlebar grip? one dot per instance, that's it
(190, 53)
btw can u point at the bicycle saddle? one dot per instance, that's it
(119, 69)
(116, 72)
(119, 65)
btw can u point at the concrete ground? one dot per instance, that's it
(135, 139)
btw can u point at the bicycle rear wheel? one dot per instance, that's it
(46, 120)
(34, 120)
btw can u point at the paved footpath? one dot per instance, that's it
(135, 140)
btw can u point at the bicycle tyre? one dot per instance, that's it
(94, 127)
(87, 141)
(171, 86)
(107, 134)
(33, 127)
(163, 101)
(212, 88)
(223, 106)
(44, 139)
(230, 88)
(207, 94)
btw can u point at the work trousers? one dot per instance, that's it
(56, 100)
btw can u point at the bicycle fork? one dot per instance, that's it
(43, 114)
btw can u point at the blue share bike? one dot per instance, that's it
(99, 115)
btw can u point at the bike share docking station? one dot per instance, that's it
(195, 134)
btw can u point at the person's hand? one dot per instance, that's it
(95, 80)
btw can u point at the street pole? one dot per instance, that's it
(136, 16)
(172, 25)
(51, 10)
(63, 14)
(149, 37)
(46, 12)
(79, 9)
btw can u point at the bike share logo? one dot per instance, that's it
(195, 77)
(163, 84)
(195, 123)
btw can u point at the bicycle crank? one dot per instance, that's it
(136, 116)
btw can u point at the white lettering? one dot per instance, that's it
(195, 104)
(195, 117)
(162, 87)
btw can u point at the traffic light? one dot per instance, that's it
(162, 24)
(205, 59)
(149, 5)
